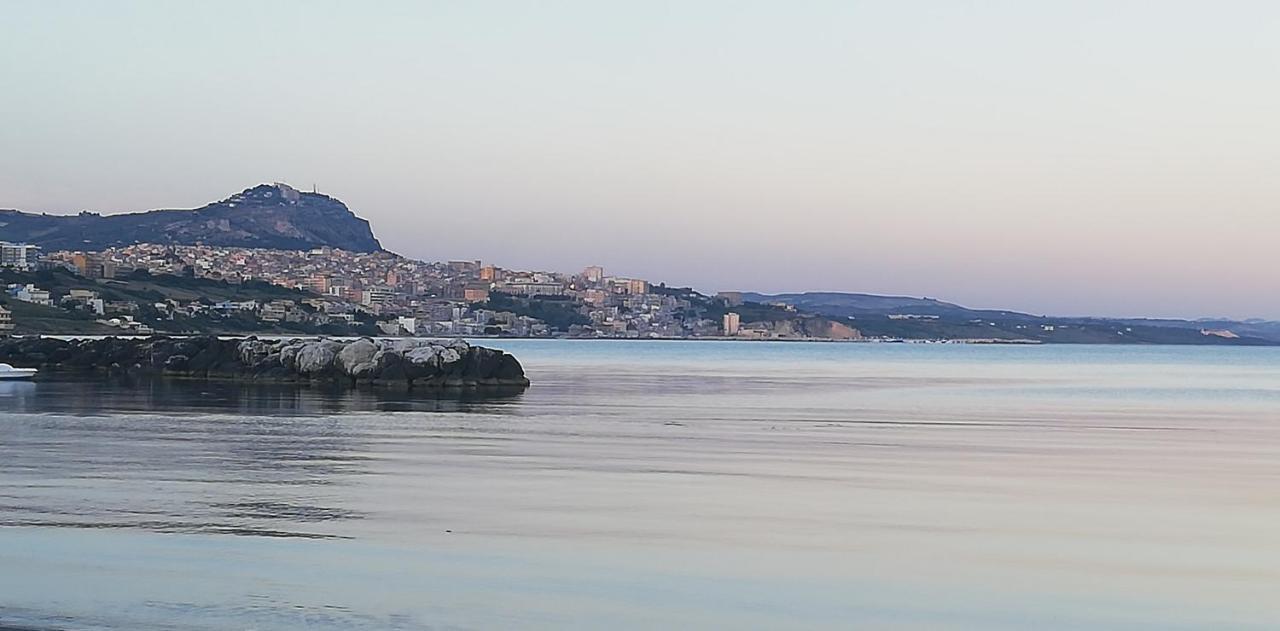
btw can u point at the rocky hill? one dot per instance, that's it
(266, 216)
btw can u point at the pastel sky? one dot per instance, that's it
(1073, 157)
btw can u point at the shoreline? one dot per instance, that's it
(791, 340)
(501, 338)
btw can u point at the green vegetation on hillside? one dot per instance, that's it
(31, 318)
(1043, 330)
(559, 313)
(145, 290)
(143, 287)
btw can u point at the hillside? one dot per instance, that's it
(36, 319)
(842, 304)
(927, 318)
(853, 305)
(266, 216)
(145, 290)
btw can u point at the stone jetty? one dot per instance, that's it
(403, 363)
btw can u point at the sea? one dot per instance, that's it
(662, 485)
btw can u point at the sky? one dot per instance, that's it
(1104, 158)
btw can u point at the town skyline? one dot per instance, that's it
(146, 288)
(796, 286)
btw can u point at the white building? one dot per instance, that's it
(377, 296)
(732, 323)
(19, 255)
(534, 289)
(409, 324)
(32, 294)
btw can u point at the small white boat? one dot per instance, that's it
(9, 372)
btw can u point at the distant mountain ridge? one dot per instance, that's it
(852, 302)
(928, 318)
(842, 304)
(275, 216)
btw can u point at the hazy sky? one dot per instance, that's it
(1073, 157)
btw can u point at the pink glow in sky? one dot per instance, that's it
(1109, 158)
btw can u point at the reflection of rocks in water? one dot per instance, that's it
(174, 527)
(149, 394)
(286, 511)
(182, 456)
(241, 474)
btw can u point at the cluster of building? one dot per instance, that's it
(22, 257)
(413, 297)
(401, 296)
(19, 256)
(120, 314)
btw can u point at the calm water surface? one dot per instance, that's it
(662, 485)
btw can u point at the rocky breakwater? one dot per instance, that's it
(401, 363)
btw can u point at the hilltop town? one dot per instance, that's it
(324, 289)
(273, 259)
(149, 288)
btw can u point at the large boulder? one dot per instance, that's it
(254, 351)
(452, 362)
(481, 363)
(509, 371)
(215, 357)
(356, 359)
(286, 353)
(422, 362)
(389, 366)
(315, 359)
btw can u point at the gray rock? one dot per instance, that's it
(354, 355)
(254, 351)
(176, 362)
(316, 358)
(422, 362)
(413, 362)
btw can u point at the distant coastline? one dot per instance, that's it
(270, 335)
(272, 260)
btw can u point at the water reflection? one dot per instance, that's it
(1053, 488)
(96, 396)
(173, 456)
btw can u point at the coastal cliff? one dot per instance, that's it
(409, 363)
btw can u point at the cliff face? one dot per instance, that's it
(815, 327)
(272, 216)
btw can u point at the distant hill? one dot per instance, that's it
(927, 318)
(1263, 329)
(845, 304)
(851, 302)
(273, 216)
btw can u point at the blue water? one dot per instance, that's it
(659, 485)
